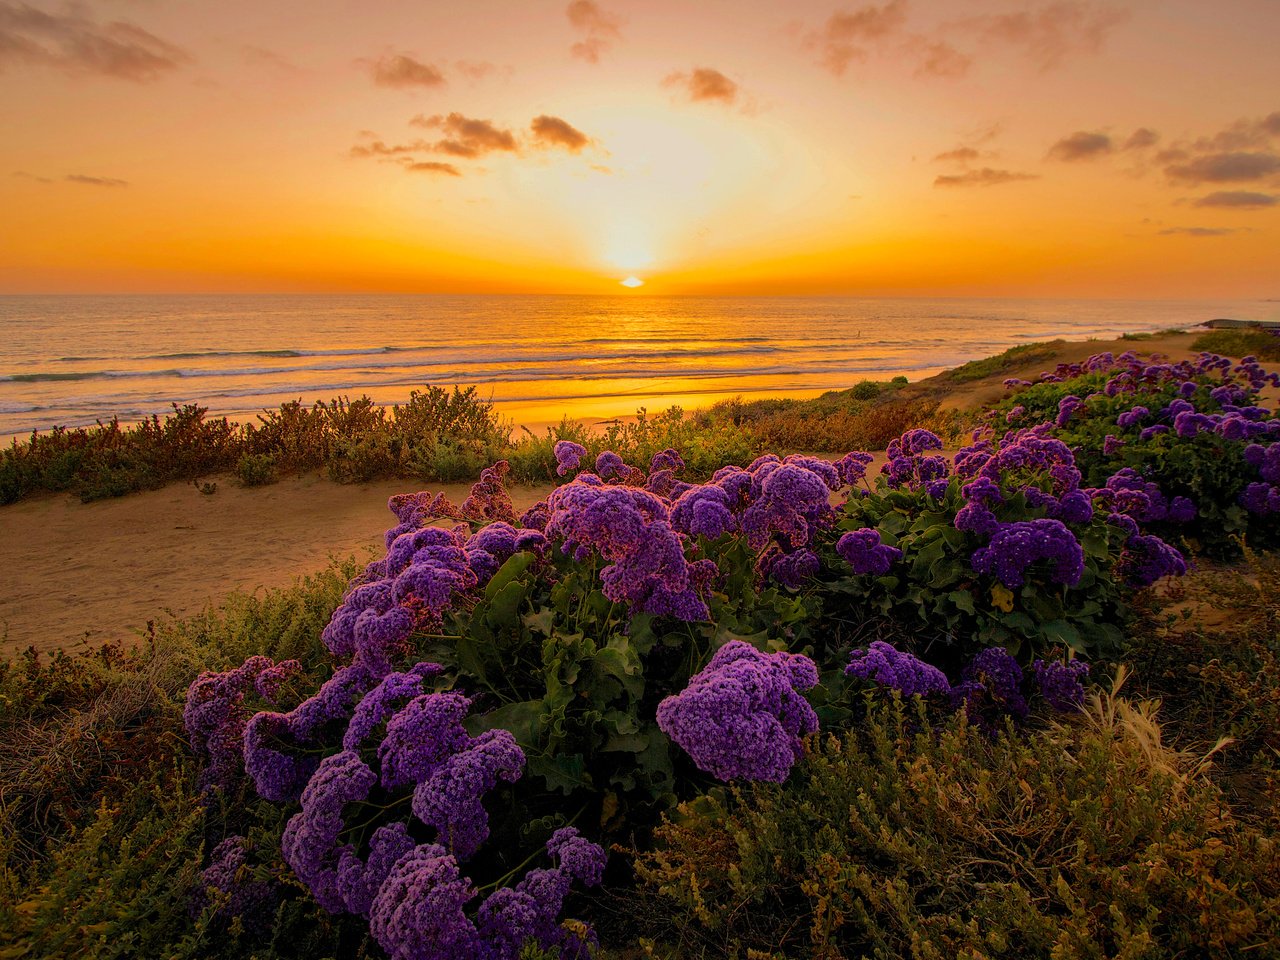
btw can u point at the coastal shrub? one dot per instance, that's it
(1021, 355)
(1211, 652)
(1085, 838)
(256, 470)
(1000, 548)
(1242, 342)
(1194, 429)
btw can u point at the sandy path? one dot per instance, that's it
(76, 572)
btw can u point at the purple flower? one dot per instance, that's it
(863, 551)
(1146, 559)
(853, 466)
(666, 460)
(976, 517)
(1060, 682)
(488, 499)
(449, 799)
(992, 682)
(1131, 418)
(609, 465)
(742, 716)
(882, 663)
(419, 912)
(215, 716)
(568, 455)
(703, 511)
(421, 736)
(1112, 445)
(792, 570)
(1066, 407)
(1016, 546)
(384, 701)
(1017, 413)
(228, 882)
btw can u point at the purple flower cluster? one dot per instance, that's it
(631, 528)
(215, 714)
(863, 551)
(1263, 497)
(991, 685)
(910, 466)
(1128, 493)
(488, 499)
(742, 716)
(1015, 547)
(887, 666)
(852, 467)
(789, 499)
(227, 884)
(420, 912)
(568, 456)
(424, 747)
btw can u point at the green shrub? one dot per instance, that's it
(1018, 356)
(1088, 839)
(256, 469)
(1240, 342)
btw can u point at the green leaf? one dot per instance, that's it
(515, 566)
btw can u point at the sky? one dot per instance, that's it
(1058, 148)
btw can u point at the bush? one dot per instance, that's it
(256, 470)
(1086, 839)
(1250, 341)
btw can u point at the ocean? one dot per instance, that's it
(73, 360)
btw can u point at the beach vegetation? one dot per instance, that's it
(696, 704)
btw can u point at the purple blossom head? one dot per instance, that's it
(228, 882)
(421, 736)
(992, 682)
(742, 716)
(976, 517)
(913, 443)
(609, 465)
(1112, 445)
(573, 852)
(824, 469)
(420, 910)
(1132, 417)
(1066, 407)
(450, 797)
(887, 666)
(792, 570)
(863, 551)
(1016, 413)
(1061, 682)
(703, 511)
(1146, 559)
(666, 460)
(568, 456)
(1015, 547)
(853, 467)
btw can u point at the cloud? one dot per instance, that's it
(72, 42)
(433, 166)
(467, 136)
(1081, 145)
(704, 84)
(986, 177)
(402, 71)
(599, 29)
(95, 181)
(1225, 168)
(1052, 31)
(31, 176)
(379, 149)
(1237, 199)
(940, 59)
(262, 57)
(849, 35)
(554, 132)
(958, 155)
(476, 70)
(1196, 232)
(1141, 138)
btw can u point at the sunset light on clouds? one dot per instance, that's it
(984, 147)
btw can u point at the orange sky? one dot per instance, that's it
(966, 147)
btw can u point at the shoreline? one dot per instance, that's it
(80, 574)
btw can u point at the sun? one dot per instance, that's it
(632, 282)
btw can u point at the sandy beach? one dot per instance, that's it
(78, 574)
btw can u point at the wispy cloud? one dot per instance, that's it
(95, 181)
(958, 155)
(1081, 145)
(703, 84)
(555, 132)
(1196, 232)
(433, 166)
(1050, 32)
(850, 35)
(76, 44)
(599, 29)
(1237, 200)
(985, 177)
(402, 71)
(1226, 168)
(467, 136)
(938, 58)
(1141, 138)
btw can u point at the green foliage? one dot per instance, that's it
(1240, 342)
(1022, 355)
(934, 594)
(1088, 839)
(256, 469)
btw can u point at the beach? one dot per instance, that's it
(81, 574)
